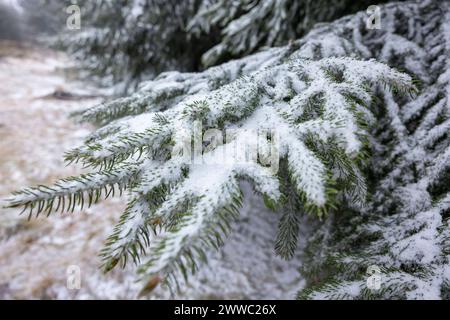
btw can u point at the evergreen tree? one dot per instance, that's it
(404, 229)
(123, 42)
(369, 161)
(177, 207)
(244, 26)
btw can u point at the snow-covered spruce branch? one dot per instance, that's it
(319, 110)
(404, 230)
(169, 88)
(245, 26)
(68, 193)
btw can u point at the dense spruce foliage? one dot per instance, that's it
(355, 119)
(124, 42)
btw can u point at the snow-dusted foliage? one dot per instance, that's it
(125, 41)
(244, 26)
(404, 230)
(176, 146)
(329, 131)
(10, 26)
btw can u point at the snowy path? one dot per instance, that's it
(34, 256)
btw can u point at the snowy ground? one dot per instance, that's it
(34, 256)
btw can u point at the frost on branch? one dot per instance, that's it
(311, 115)
(247, 25)
(404, 230)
